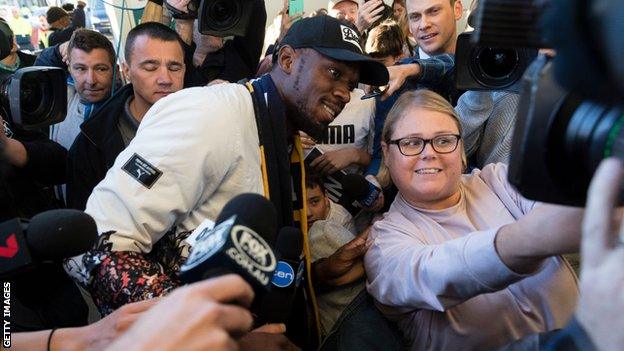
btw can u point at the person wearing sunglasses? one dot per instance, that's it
(462, 261)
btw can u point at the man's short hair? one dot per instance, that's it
(87, 40)
(68, 6)
(313, 179)
(385, 40)
(153, 30)
(55, 13)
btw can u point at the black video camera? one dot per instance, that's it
(220, 18)
(489, 68)
(570, 114)
(31, 97)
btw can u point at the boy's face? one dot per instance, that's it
(318, 205)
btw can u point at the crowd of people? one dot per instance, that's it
(448, 256)
(39, 28)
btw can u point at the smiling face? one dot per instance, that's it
(317, 88)
(156, 68)
(92, 73)
(429, 180)
(432, 23)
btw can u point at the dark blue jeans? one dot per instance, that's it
(362, 327)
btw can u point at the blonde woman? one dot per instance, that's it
(462, 261)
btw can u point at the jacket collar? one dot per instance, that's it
(102, 128)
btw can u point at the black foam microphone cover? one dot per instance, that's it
(239, 243)
(276, 306)
(254, 211)
(355, 186)
(289, 244)
(62, 233)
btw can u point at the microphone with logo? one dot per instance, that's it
(360, 189)
(277, 304)
(239, 243)
(48, 237)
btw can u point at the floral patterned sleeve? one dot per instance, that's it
(123, 277)
(116, 278)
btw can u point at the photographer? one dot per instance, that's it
(30, 164)
(218, 58)
(16, 59)
(488, 119)
(33, 164)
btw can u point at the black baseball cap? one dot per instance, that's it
(336, 40)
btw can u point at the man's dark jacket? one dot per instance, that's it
(95, 149)
(59, 36)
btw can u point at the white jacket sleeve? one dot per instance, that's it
(190, 138)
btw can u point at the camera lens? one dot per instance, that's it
(494, 67)
(223, 14)
(595, 131)
(36, 98)
(498, 63)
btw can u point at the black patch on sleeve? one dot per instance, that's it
(141, 170)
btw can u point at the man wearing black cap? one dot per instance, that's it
(198, 148)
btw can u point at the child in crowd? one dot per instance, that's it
(331, 228)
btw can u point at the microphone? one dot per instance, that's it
(49, 236)
(360, 189)
(277, 304)
(255, 212)
(237, 244)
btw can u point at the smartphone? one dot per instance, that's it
(295, 7)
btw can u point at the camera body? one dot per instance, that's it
(34, 97)
(220, 18)
(31, 97)
(489, 68)
(570, 114)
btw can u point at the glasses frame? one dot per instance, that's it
(425, 142)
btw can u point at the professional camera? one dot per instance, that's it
(221, 18)
(570, 114)
(32, 97)
(489, 68)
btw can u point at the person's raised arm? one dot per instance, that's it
(546, 231)
(184, 27)
(426, 71)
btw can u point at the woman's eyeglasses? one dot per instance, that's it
(442, 144)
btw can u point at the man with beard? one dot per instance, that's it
(198, 148)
